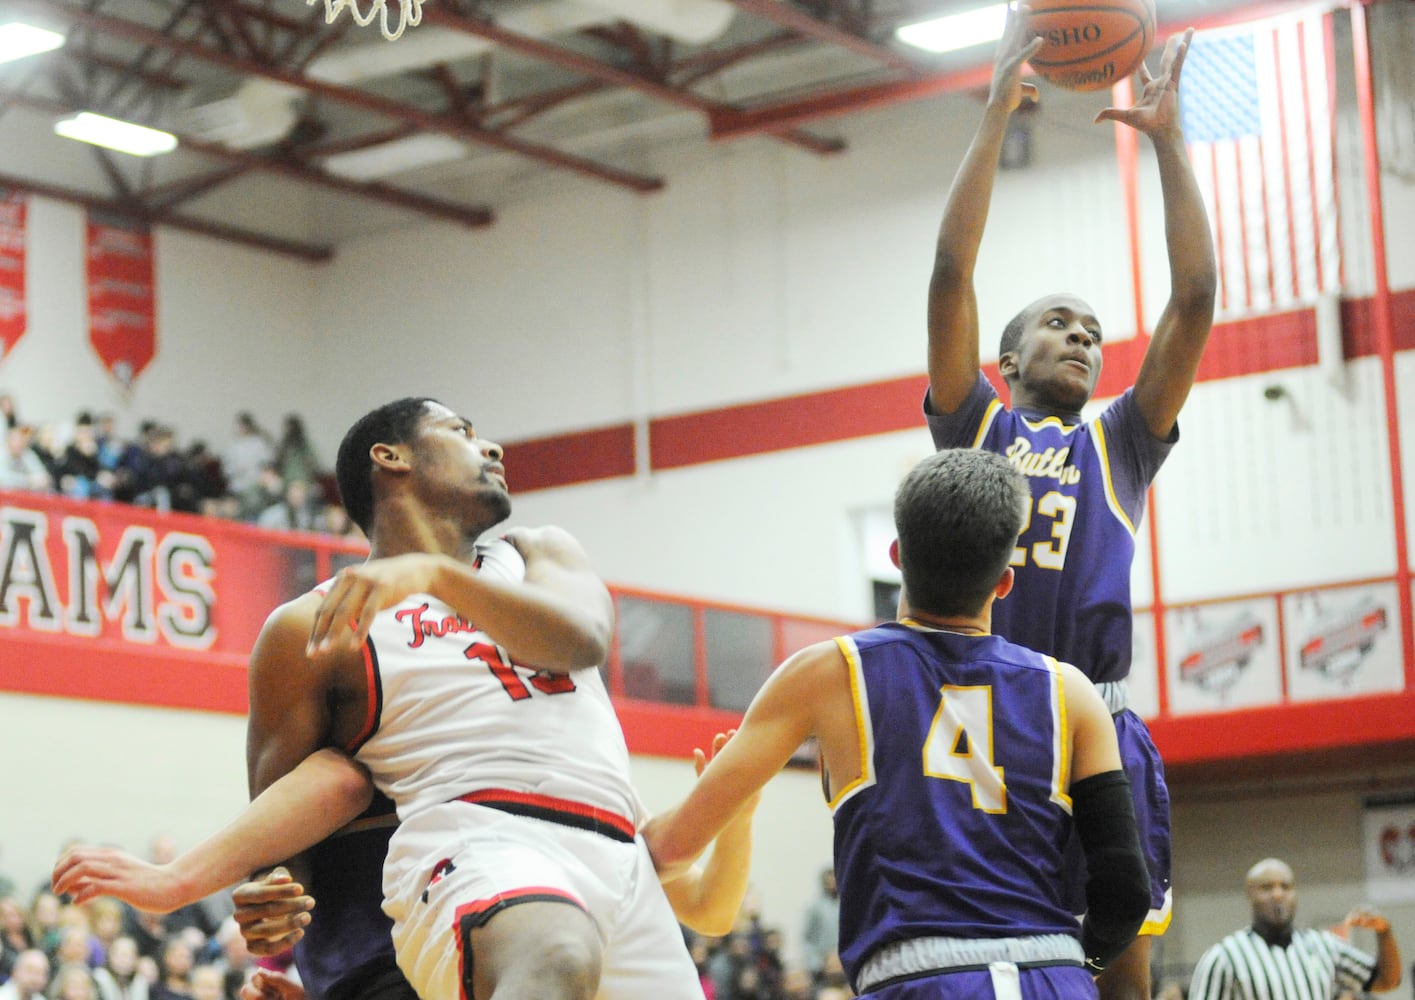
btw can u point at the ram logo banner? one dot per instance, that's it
(110, 602)
(1389, 844)
(146, 587)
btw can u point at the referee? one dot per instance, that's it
(1272, 961)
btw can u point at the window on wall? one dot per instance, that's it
(656, 651)
(739, 656)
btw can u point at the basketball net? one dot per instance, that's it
(410, 12)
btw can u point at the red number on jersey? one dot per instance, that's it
(502, 669)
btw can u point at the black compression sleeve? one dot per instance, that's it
(1117, 883)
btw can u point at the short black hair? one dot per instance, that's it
(958, 514)
(1012, 333)
(391, 423)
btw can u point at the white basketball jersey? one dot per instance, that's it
(451, 714)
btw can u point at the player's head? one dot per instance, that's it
(1050, 354)
(1272, 894)
(958, 514)
(420, 440)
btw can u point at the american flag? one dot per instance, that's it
(1257, 108)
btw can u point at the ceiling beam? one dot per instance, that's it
(554, 55)
(444, 124)
(467, 215)
(136, 213)
(786, 16)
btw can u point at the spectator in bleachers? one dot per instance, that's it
(174, 980)
(246, 456)
(74, 947)
(130, 471)
(168, 484)
(20, 467)
(208, 479)
(269, 489)
(14, 934)
(81, 473)
(44, 442)
(73, 981)
(44, 927)
(9, 419)
(106, 917)
(208, 983)
(820, 935)
(293, 511)
(294, 455)
(335, 520)
(118, 978)
(29, 977)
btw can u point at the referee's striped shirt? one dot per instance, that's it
(1315, 965)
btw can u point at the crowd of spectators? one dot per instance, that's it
(54, 949)
(749, 964)
(274, 482)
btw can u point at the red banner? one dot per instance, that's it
(117, 603)
(121, 301)
(12, 270)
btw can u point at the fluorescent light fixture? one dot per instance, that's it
(125, 137)
(18, 40)
(956, 31)
(395, 157)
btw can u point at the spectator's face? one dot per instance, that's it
(76, 986)
(206, 983)
(31, 972)
(123, 956)
(177, 959)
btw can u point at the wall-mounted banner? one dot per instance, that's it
(1223, 656)
(1388, 842)
(13, 316)
(1343, 641)
(121, 296)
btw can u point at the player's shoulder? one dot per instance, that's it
(298, 613)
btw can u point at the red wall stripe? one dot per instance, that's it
(580, 457)
(1243, 347)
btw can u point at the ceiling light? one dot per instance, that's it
(18, 40)
(956, 31)
(111, 133)
(395, 157)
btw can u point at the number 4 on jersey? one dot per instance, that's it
(959, 746)
(494, 658)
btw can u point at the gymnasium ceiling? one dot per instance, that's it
(264, 95)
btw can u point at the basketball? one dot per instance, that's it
(1090, 44)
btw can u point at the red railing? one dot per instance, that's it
(114, 603)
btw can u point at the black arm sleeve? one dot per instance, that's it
(1117, 883)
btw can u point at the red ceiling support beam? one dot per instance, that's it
(137, 213)
(428, 121)
(793, 19)
(466, 215)
(554, 55)
(769, 118)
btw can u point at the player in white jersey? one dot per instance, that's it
(464, 676)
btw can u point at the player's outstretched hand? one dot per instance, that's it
(1156, 112)
(267, 985)
(86, 873)
(1013, 50)
(272, 912)
(358, 593)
